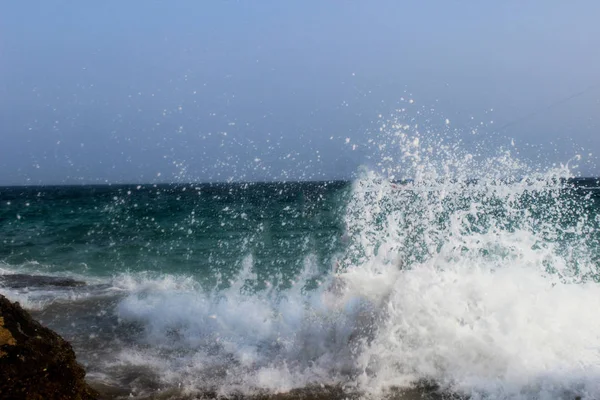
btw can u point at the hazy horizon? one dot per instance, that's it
(189, 183)
(265, 91)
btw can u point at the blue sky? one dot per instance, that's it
(143, 91)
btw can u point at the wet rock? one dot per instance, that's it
(18, 281)
(35, 362)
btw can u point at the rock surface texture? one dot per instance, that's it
(35, 362)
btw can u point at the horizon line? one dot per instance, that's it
(108, 184)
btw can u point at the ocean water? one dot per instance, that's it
(477, 276)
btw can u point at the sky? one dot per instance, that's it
(163, 91)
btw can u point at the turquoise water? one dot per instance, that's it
(486, 287)
(197, 230)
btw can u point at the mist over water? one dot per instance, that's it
(477, 273)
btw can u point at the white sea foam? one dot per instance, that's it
(486, 287)
(482, 287)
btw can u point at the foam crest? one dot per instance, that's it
(476, 273)
(480, 283)
(469, 269)
(239, 338)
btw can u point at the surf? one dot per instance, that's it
(473, 274)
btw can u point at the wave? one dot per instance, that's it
(478, 288)
(484, 285)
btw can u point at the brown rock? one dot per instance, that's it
(35, 362)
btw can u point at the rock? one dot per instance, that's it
(18, 281)
(35, 362)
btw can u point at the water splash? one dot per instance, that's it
(469, 269)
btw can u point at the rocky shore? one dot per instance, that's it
(35, 362)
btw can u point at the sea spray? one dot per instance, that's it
(475, 285)
(469, 270)
(480, 268)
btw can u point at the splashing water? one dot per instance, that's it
(483, 274)
(487, 288)
(478, 274)
(479, 277)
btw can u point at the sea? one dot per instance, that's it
(471, 277)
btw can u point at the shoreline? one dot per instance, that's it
(29, 319)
